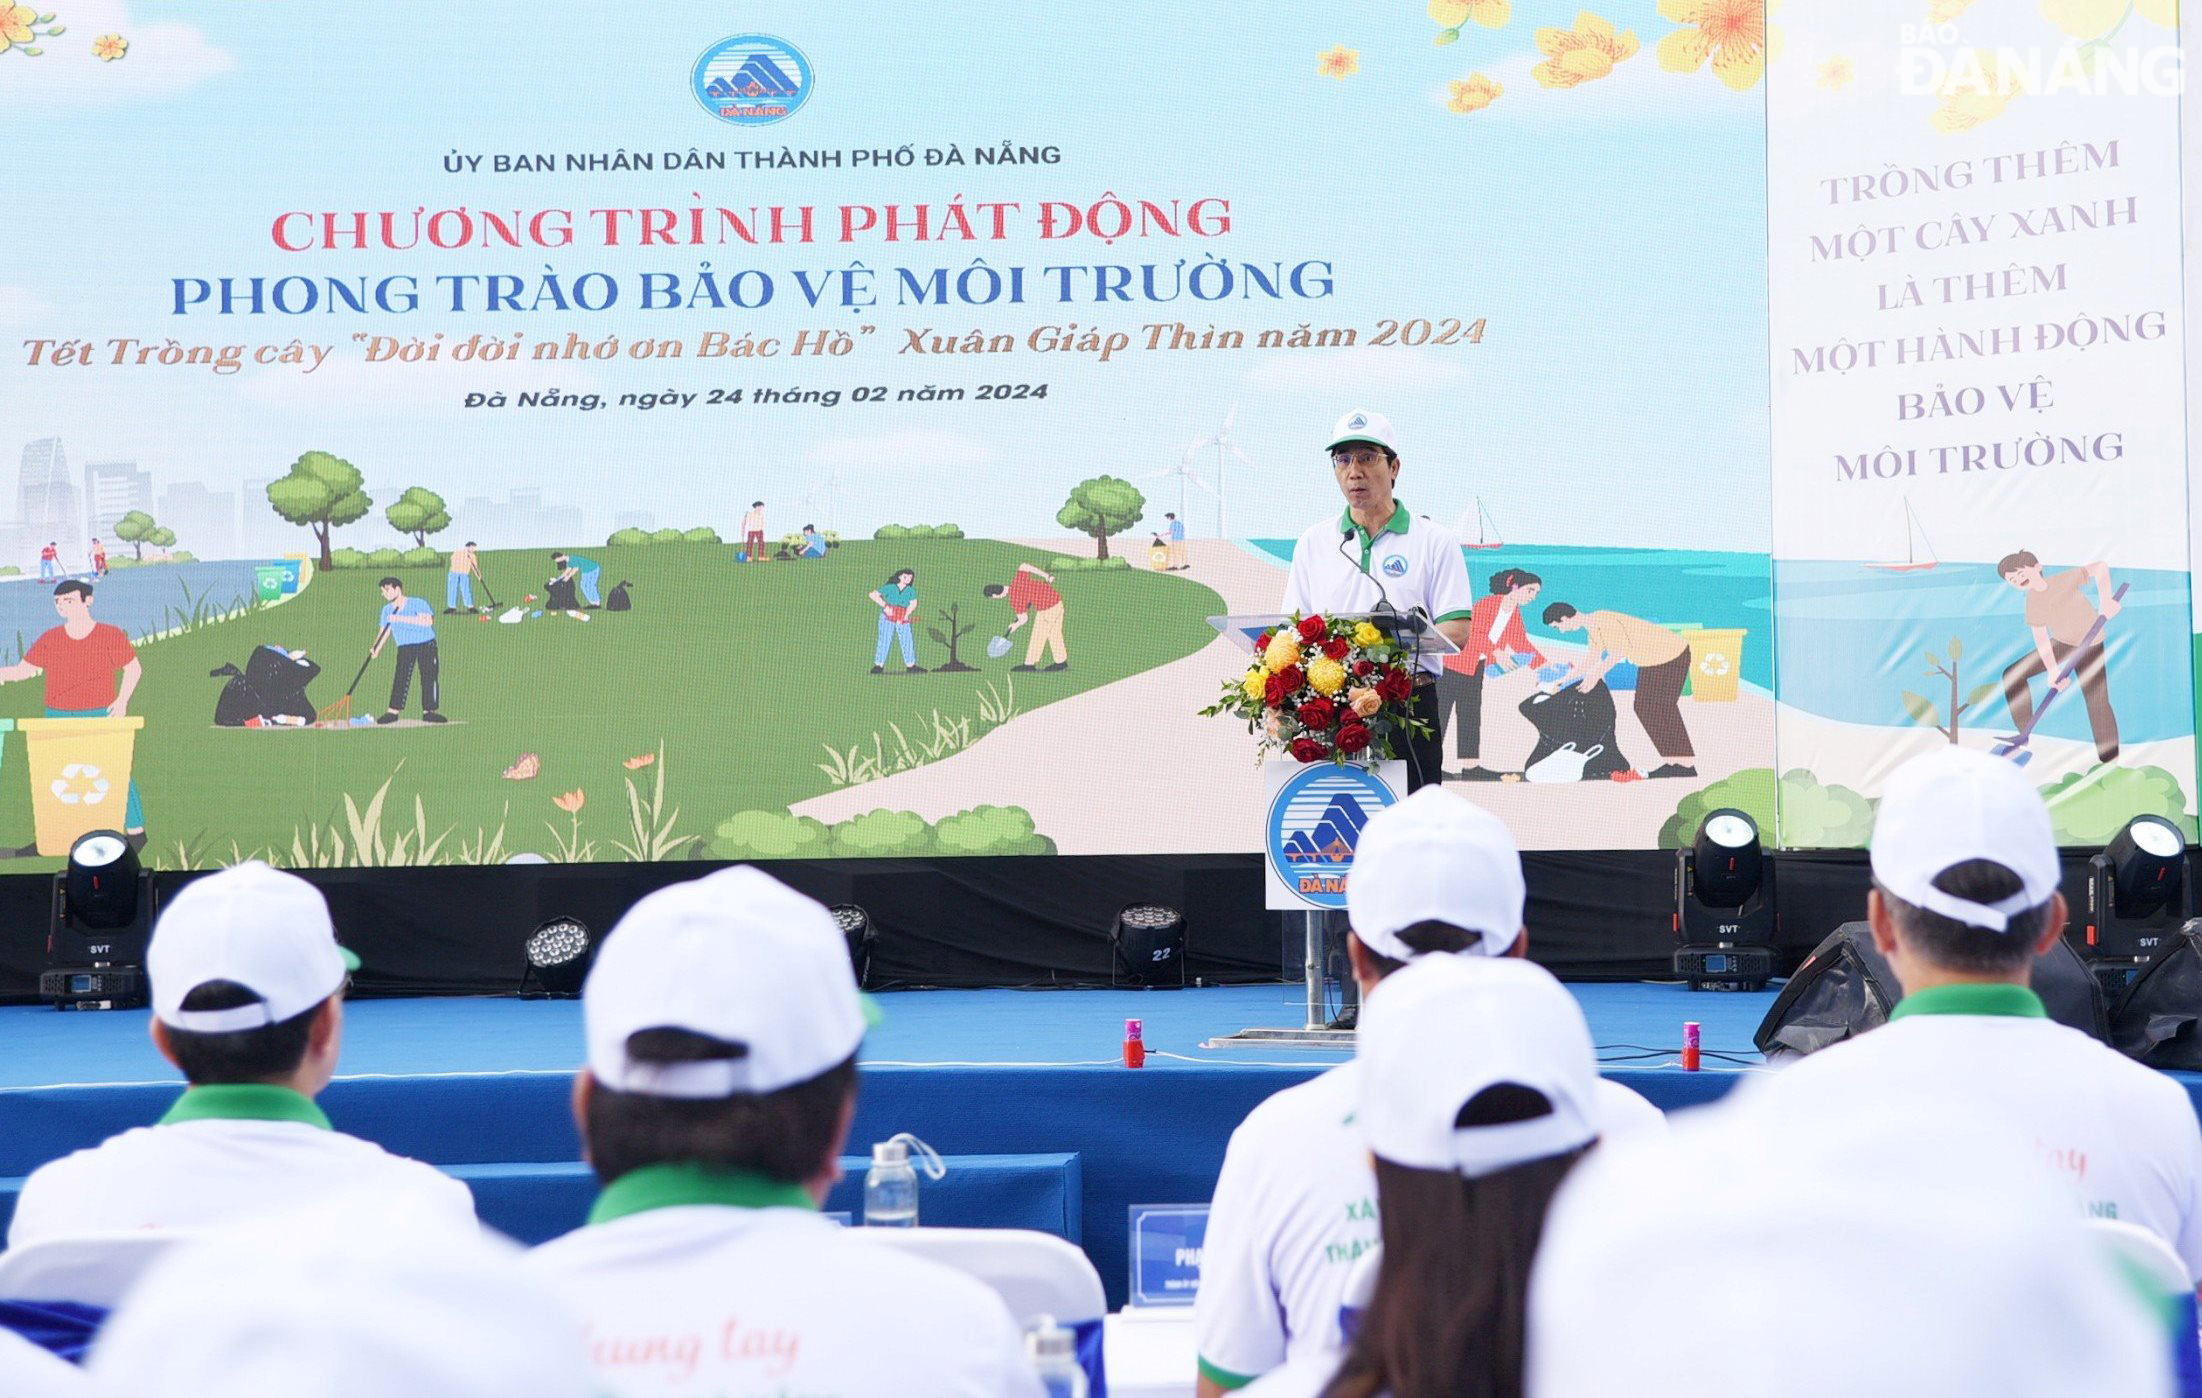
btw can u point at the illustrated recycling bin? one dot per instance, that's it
(269, 581)
(80, 775)
(1716, 663)
(296, 569)
(1158, 557)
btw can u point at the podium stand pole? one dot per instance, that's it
(1316, 1032)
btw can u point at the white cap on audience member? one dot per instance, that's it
(349, 1298)
(737, 956)
(1361, 425)
(1436, 1034)
(1751, 1252)
(1956, 805)
(26, 1371)
(1435, 857)
(261, 928)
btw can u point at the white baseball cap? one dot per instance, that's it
(1955, 805)
(1361, 425)
(1439, 1032)
(348, 1298)
(258, 927)
(1435, 857)
(1680, 1265)
(736, 956)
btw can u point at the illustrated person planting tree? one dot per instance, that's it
(896, 599)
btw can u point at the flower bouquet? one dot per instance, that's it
(1326, 690)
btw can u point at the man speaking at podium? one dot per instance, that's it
(1375, 558)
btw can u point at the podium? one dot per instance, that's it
(1313, 815)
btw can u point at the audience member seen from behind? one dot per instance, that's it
(248, 1002)
(26, 1371)
(1477, 1097)
(1296, 1201)
(723, 1023)
(1965, 874)
(306, 1302)
(1909, 1249)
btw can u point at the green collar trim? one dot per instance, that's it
(2009, 1001)
(1397, 524)
(672, 1185)
(245, 1101)
(1224, 1378)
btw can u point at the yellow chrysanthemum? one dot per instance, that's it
(1283, 651)
(1326, 676)
(1582, 54)
(1732, 33)
(1256, 684)
(2084, 19)
(1365, 634)
(1474, 95)
(1339, 62)
(1836, 73)
(1977, 89)
(109, 47)
(1491, 14)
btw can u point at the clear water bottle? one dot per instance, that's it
(1054, 1352)
(891, 1185)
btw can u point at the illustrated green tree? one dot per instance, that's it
(1102, 506)
(419, 512)
(322, 492)
(958, 628)
(161, 537)
(1923, 711)
(136, 528)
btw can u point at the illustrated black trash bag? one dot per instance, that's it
(238, 700)
(280, 682)
(1846, 987)
(558, 596)
(617, 599)
(1584, 719)
(2157, 1019)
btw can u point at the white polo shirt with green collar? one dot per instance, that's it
(2124, 1138)
(691, 1279)
(1337, 566)
(222, 1153)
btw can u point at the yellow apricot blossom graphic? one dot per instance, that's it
(1583, 54)
(1474, 94)
(1339, 62)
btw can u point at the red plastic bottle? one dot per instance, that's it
(1690, 1046)
(1135, 1046)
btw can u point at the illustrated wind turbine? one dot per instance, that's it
(824, 492)
(1185, 476)
(1224, 446)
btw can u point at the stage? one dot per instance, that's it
(1024, 1090)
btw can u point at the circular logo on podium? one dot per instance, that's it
(751, 79)
(1315, 823)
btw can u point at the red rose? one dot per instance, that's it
(1309, 750)
(1362, 668)
(1312, 629)
(1336, 647)
(1293, 677)
(1263, 644)
(1277, 692)
(1394, 687)
(1353, 738)
(1318, 714)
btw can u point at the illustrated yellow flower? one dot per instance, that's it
(2163, 12)
(1256, 684)
(1582, 54)
(1730, 32)
(109, 47)
(1365, 701)
(1943, 11)
(570, 803)
(15, 25)
(1977, 89)
(2084, 19)
(1491, 14)
(1365, 635)
(1339, 62)
(1473, 95)
(1326, 676)
(1836, 73)
(1283, 650)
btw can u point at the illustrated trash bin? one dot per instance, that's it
(80, 775)
(296, 568)
(268, 581)
(1158, 556)
(1716, 663)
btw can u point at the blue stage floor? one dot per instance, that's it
(480, 1086)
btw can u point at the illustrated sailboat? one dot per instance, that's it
(1915, 544)
(1487, 533)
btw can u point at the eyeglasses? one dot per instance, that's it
(1340, 460)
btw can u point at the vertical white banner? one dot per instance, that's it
(1979, 484)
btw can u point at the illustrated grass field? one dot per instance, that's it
(734, 681)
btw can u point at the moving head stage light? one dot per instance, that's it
(102, 918)
(2137, 897)
(1723, 906)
